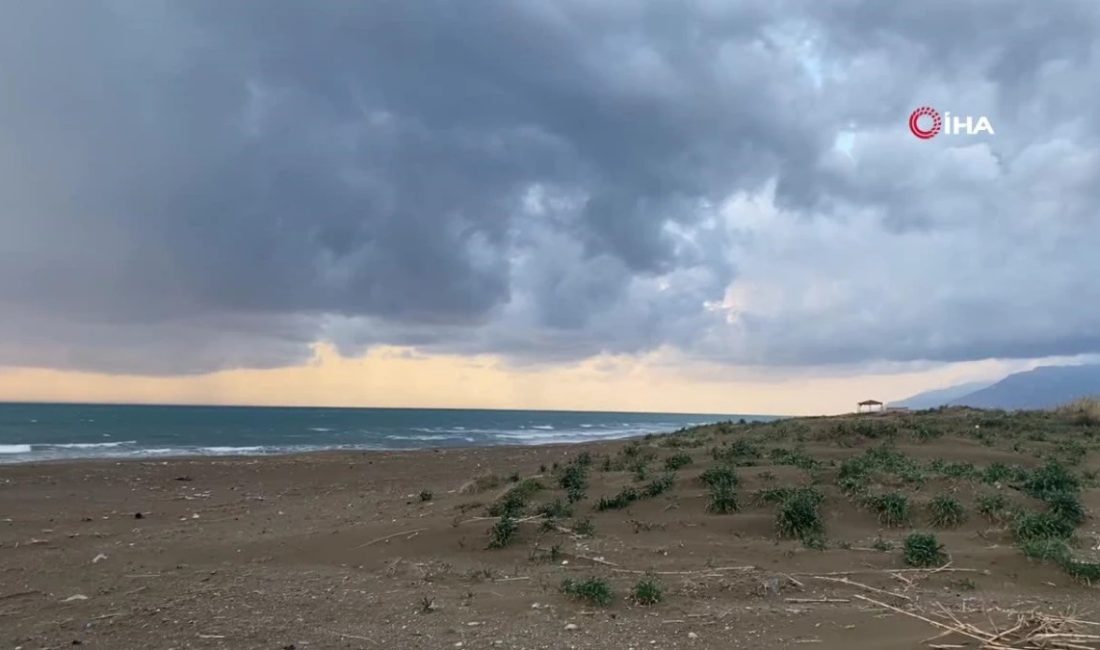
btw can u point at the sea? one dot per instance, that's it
(35, 432)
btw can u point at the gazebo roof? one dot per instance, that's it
(869, 402)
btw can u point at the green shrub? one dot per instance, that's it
(1052, 478)
(739, 452)
(584, 527)
(503, 532)
(892, 508)
(723, 499)
(648, 592)
(719, 475)
(675, 462)
(994, 507)
(960, 470)
(925, 432)
(658, 486)
(595, 591)
(425, 496)
(574, 480)
(1045, 548)
(946, 512)
(556, 510)
(996, 473)
(514, 501)
(624, 498)
(1066, 506)
(799, 517)
(923, 550)
(1088, 572)
(1041, 525)
(796, 458)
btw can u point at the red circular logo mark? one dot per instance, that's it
(914, 122)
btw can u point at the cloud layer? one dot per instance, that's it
(196, 186)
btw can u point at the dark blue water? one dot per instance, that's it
(52, 431)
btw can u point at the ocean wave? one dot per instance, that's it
(544, 427)
(15, 449)
(231, 450)
(85, 445)
(321, 429)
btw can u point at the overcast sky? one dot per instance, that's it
(190, 187)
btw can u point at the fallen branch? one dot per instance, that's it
(689, 573)
(382, 539)
(816, 600)
(853, 583)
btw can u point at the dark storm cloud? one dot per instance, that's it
(191, 186)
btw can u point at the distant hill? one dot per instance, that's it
(1043, 387)
(941, 396)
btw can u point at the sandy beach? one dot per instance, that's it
(390, 550)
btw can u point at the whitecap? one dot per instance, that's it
(15, 449)
(88, 445)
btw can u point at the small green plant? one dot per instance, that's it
(996, 473)
(925, 432)
(799, 517)
(994, 507)
(1052, 478)
(427, 605)
(1087, 572)
(883, 545)
(624, 498)
(556, 510)
(795, 457)
(892, 508)
(1045, 548)
(584, 527)
(719, 475)
(574, 479)
(658, 486)
(946, 512)
(425, 496)
(514, 501)
(675, 462)
(923, 550)
(595, 591)
(1067, 507)
(648, 592)
(723, 499)
(1041, 525)
(503, 532)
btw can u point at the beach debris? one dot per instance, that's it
(1032, 631)
(138, 515)
(570, 627)
(75, 597)
(98, 558)
(184, 478)
(692, 635)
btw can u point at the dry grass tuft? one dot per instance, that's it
(1084, 411)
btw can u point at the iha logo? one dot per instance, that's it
(926, 123)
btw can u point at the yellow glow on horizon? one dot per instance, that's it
(396, 377)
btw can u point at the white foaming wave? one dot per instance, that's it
(544, 427)
(528, 437)
(15, 449)
(321, 429)
(86, 445)
(230, 450)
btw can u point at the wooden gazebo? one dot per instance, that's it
(869, 406)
